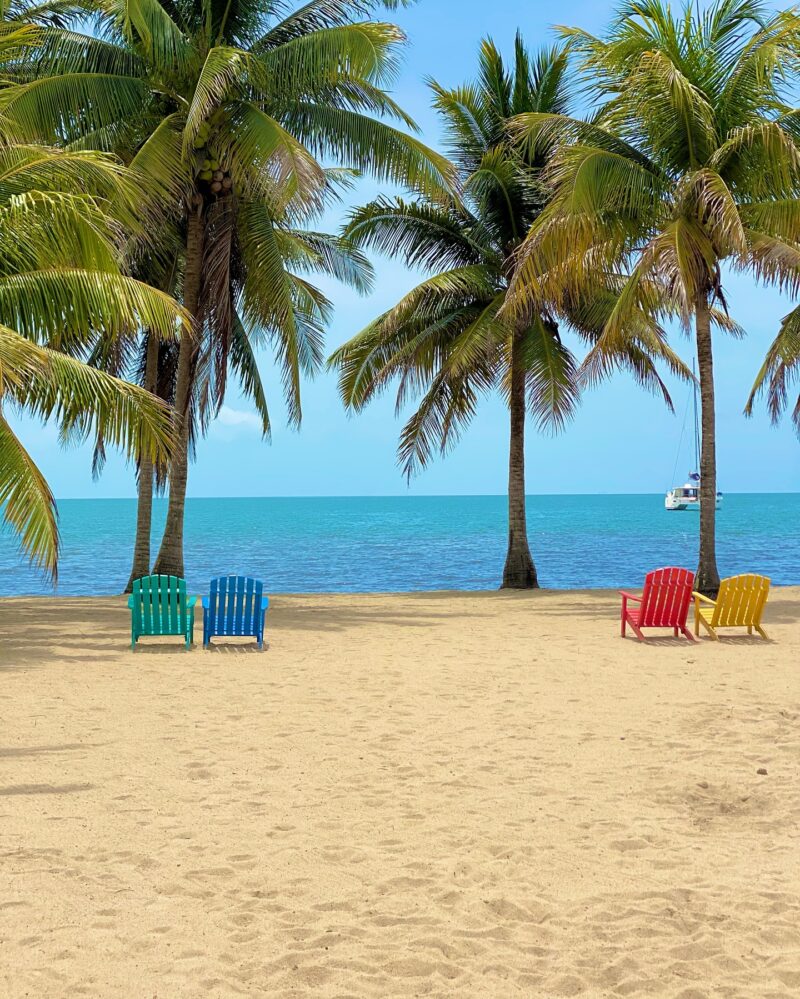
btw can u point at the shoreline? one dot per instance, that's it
(542, 592)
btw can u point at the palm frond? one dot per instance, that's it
(28, 505)
(781, 366)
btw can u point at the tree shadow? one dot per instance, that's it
(80, 629)
(19, 752)
(25, 789)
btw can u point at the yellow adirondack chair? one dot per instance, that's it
(739, 604)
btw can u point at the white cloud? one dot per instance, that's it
(238, 418)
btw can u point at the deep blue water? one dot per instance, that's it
(415, 543)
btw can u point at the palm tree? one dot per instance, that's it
(221, 353)
(227, 107)
(61, 289)
(449, 339)
(689, 165)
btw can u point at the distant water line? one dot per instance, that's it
(397, 544)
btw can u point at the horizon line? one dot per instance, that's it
(329, 496)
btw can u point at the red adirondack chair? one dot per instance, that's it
(664, 603)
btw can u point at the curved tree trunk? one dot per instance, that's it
(144, 509)
(519, 572)
(170, 555)
(707, 579)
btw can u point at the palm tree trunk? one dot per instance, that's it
(707, 578)
(144, 509)
(519, 572)
(170, 555)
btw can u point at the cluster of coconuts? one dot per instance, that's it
(210, 169)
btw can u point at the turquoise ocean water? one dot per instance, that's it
(415, 543)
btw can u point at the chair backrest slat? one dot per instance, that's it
(239, 606)
(231, 606)
(248, 615)
(665, 599)
(143, 603)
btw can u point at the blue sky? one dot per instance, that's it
(622, 440)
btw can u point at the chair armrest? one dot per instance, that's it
(190, 602)
(206, 602)
(264, 603)
(706, 600)
(629, 596)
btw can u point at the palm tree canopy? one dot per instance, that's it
(61, 289)
(235, 106)
(449, 339)
(689, 163)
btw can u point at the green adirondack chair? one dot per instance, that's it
(159, 606)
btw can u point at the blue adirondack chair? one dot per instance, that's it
(236, 607)
(159, 606)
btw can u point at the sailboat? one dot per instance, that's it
(687, 496)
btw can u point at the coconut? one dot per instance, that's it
(227, 183)
(216, 187)
(206, 175)
(218, 175)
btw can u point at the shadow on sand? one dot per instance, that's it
(83, 629)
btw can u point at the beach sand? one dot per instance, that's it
(438, 795)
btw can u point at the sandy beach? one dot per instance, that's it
(428, 795)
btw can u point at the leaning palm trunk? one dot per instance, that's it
(707, 579)
(144, 508)
(170, 555)
(519, 572)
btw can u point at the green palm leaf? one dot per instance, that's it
(28, 506)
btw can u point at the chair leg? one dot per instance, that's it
(623, 624)
(761, 632)
(700, 620)
(687, 633)
(637, 631)
(675, 632)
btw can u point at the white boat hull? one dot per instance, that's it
(675, 502)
